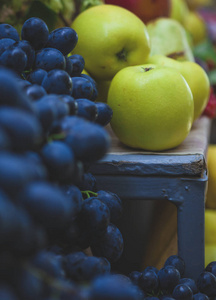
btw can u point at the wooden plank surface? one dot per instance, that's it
(188, 159)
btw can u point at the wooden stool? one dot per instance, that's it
(178, 175)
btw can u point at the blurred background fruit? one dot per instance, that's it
(146, 10)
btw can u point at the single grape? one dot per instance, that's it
(7, 293)
(82, 88)
(189, 282)
(50, 263)
(36, 32)
(113, 202)
(110, 287)
(14, 58)
(134, 277)
(5, 43)
(89, 141)
(73, 106)
(64, 39)
(74, 197)
(29, 51)
(94, 216)
(110, 245)
(152, 269)
(211, 267)
(59, 160)
(148, 281)
(182, 292)
(177, 262)
(36, 76)
(46, 203)
(88, 183)
(200, 296)
(11, 91)
(78, 64)
(168, 277)
(57, 82)
(105, 113)
(206, 284)
(8, 31)
(49, 59)
(23, 129)
(86, 109)
(35, 91)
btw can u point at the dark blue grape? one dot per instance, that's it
(148, 281)
(200, 296)
(94, 216)
(109, 287)
(50, 263)
(87, 268)
(89, 141)
(57, 82)
(29, 51)
(69, 65)
(11, 91)
(49, 109)
(151, 298)
(166, 298)
(182, 292)
(14, 58)
(211, 267)
(23, 129)
(36, 76)
(61, 109)
(8, 31)
(82, 88)
(105, 113)
(17, 171)
(134, 277)
(152, 269)
(36, 32)
(110, 245)
(35, 91)
(113, 202)
(95, 91)
(59, 160)
(86, 109)
(5, 43)
(189, 282)
(177, 262)
(64, 39)
(73, 106)
(206, 283)
(168, 277)
(74, 197)
(46, 203)
(49, 59)
(78, 64)
(17, 232)
(23, 83)
(88, 183)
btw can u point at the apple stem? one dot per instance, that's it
(147, 69)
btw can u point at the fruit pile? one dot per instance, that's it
(58, 233)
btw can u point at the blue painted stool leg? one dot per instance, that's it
(191, 224)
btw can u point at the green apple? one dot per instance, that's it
(152, 107)
(195, 76)
(110, 38)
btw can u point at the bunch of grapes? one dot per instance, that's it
(58, 232)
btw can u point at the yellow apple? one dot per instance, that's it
(195, 76)
(152, 107)
(110, 38)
